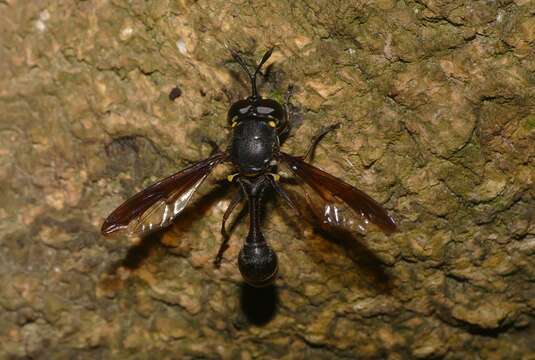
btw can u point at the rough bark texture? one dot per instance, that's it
(437, 104)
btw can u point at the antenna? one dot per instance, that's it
(244, 66)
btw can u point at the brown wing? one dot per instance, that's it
(337, 203)
(156, 206)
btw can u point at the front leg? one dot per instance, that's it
(284, 132)
(213, 145)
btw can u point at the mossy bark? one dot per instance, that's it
(436, 101)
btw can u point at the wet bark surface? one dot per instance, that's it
(436, 101)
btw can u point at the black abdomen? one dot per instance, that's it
(253, 145)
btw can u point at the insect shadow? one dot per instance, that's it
(259, 305)
(148, 244)
(367, 263)
(364, 260)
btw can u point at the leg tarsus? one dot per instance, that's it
(288, 95)
(309, 155)
(224, 245)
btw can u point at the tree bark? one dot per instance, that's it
(436, 101)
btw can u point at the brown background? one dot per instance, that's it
(437, 105)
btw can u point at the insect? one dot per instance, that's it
(259, 126)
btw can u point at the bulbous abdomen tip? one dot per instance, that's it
(258, 264)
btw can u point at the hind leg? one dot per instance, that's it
(224, 245)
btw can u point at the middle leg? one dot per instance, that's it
(317, 138)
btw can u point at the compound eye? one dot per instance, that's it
(270, 108)
(263, 110)
(239, 108)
